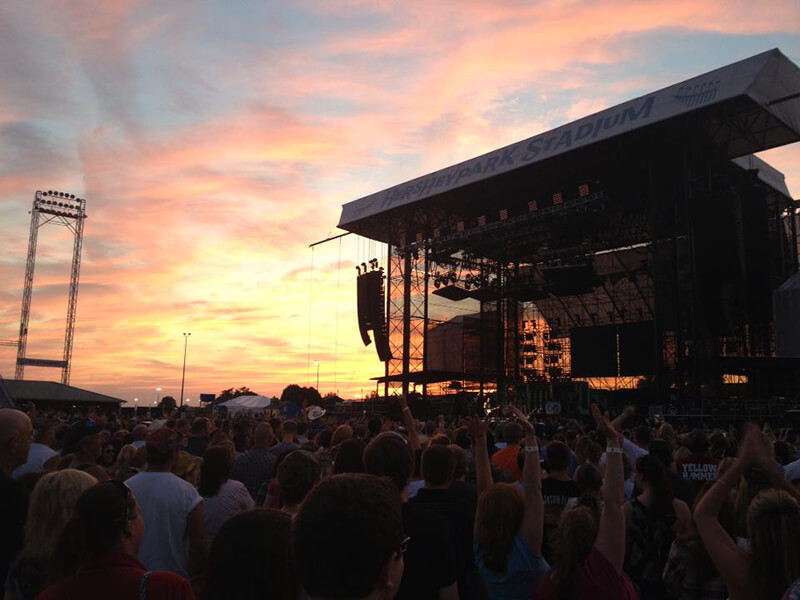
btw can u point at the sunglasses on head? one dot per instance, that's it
(403, 547)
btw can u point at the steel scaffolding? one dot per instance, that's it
(57, 208)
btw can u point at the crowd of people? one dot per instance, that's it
(318, 507)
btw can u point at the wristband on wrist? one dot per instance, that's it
(406, 409)
(532, 449)
(614, 450)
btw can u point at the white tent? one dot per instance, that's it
(246, 403)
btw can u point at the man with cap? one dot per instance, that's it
(16, 433)
(172, 511)
(84, 442)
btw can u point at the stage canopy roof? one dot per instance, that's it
(246, 403)
(745, 107)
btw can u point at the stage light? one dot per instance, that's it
(503, 214)
(533, 206)
(481, 220)
(583, 190)
(557, 198)
(437, 282)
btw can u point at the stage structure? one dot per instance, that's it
(56, 208)
(636, 248)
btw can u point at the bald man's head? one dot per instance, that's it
(16, 433)
(263, 435)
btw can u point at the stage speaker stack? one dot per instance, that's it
(371, 315)
(363, 317)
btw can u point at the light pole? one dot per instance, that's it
(316, 362)
(135, 407)
(183, 374)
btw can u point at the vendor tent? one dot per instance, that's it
(246, 403)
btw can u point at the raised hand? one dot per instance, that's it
(526, 424)
(477, 427)
(756, 448)
(604, 425)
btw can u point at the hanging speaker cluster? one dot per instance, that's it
(371, 314)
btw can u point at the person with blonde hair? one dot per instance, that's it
(52, 503)
(773, 527)
(95, 558)
(667, 432)
(342, 433)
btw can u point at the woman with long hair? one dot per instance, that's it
(667, 432)
(250, 558)
(689, 573)
(223, 497)
(124, 465)
(590, 553)
(773, 527)
(653, 518)
(95, 558)
(509, 524)
(52, 503)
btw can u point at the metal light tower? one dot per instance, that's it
(183, 374)
(58, 208)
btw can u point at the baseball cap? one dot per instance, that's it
(78, 432)
(163, 440)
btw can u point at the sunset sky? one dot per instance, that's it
(214, 141)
